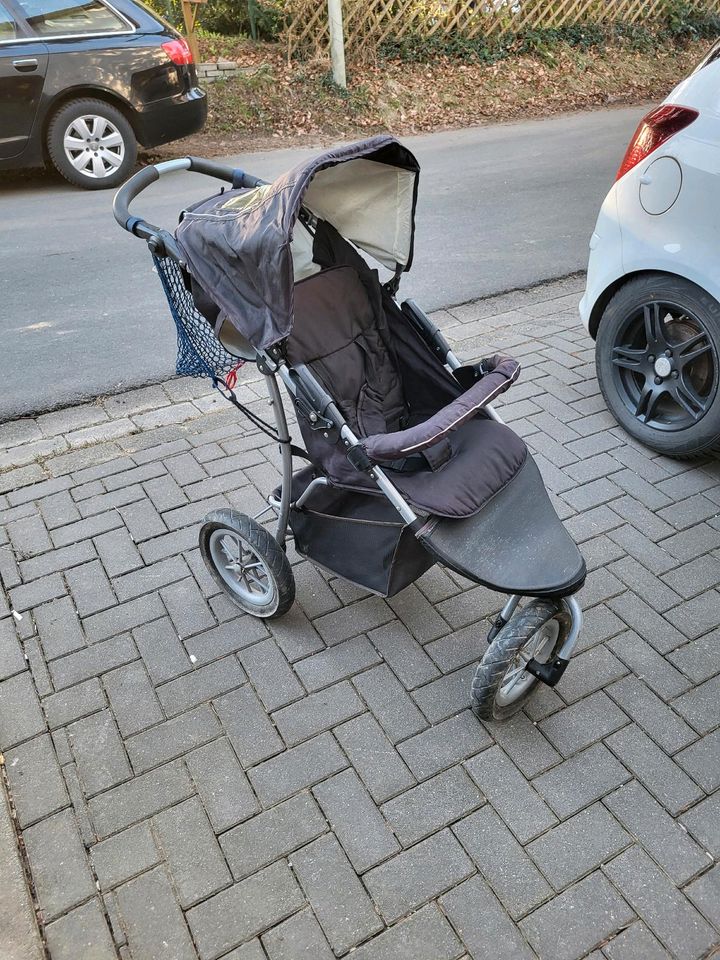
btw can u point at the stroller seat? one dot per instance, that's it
(514, 544)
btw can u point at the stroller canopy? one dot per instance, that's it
(243, 249)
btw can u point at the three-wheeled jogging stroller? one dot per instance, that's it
(407, 462)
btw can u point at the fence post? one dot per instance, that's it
(337, 42)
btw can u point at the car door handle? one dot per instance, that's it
(26, 65)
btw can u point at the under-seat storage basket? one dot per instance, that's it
(359, 537)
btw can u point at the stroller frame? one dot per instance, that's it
(311, 398)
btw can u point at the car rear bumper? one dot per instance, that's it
(172, 118)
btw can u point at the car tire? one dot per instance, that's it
(109, 152)
(657, 355)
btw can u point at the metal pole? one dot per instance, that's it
(337, 42)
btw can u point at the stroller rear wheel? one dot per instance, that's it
(501, 684)
(248, 563)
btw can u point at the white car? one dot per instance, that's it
(652, 300)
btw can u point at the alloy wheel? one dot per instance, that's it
(94, 146)
(665, 366)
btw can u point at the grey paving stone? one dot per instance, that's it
(121, 857)
(581, 918)
(591, 671)
(425, 935)
(513, 876)
(187, 607)
(30, 595)
(666, 728)
(694, 577)
(36, 783)
(132, 698)
(161, 650)
(665, 910)
(238, 633)
(648, 624)
(201, 684)
(244, 910)
(295, 635)
(699, 659)
(271, 675)
(82, 934)
(90, 588)
(87, 528)
(374, 758)
(335, 893)
(701, 706)
(153, 920)
(29, 536)
(92, 661)
(649, 666)
(355, 820)
(123, 617)
(646, 585)
(434, 804)
(99, 752)
(443, 745)
(272, 834)
(578, 845)
(59, 628)
(252, 950)
(140, 798)
(418, 875)
(635, 943)
(466, 608)
(579, 781)
(59, 866)
(248, 727)
(701, 761)
(510, 794)
(302, 766)
(654, 769)
(446, 696)
(12, 660)
(222, 785)
(659, 835)
(389, 703)
(298, 937)
(350, 621)
(495, 936)
(418, 615)
(192, 853)
(20, 713)
(56, 561)
(172, 738)
(705, 894)
(118, 552)
(318, 712)
(405, 656)
(703, 822)
(150, 578)
(523, 742)
(336, 663)
(583, 723)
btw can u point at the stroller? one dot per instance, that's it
(407, 464)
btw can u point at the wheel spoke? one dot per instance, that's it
(80, 161)
(648, 400)
(654, 326)
(689, 399)
(98, 167)
(113, 159)
(691, 349)
(112, 139)
(80, 125)
(73, 143)
(628, 357)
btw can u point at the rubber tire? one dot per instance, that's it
(702, 438)
(267, 548)
(502, 651)
(58, 125)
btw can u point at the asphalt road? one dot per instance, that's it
(82, 313)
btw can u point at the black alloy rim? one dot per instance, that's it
(665, 366)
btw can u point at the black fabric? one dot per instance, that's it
(242, 255)
(385, 556)
(516, 544)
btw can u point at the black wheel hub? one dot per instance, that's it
(665, 366)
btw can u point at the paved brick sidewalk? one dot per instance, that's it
(194, 783)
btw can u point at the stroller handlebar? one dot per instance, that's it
(148, 175)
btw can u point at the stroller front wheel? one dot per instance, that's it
(248, 563)
(501, 684)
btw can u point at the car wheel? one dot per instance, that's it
(657, 355)
(92, 144)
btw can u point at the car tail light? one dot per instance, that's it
(654, 130)
(178, 51)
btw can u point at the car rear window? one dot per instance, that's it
(8, 28)
(68, 17)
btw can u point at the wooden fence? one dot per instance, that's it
(368, 23)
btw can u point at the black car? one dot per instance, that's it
(82, 81)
